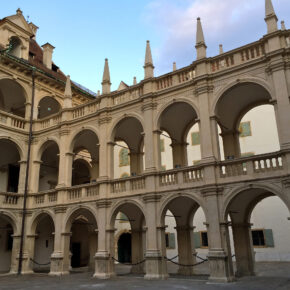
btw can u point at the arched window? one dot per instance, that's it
(15, 46)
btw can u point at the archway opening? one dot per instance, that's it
(12, 98)
(48, 174)
(259, 220)
(48, 106)
(128, 148)
(184, 238)
(9, 166)
(230, 109)
(15, 46)
(176, 120)
(124, 248)
(129, 240)
(6, 244)
(85, 167)
(44, 244)
(83, 240)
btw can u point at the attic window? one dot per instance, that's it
(15, 46)
(32, 55)
(54, 67)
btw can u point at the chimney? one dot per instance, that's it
(47, 54)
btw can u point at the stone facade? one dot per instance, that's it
(73, 199)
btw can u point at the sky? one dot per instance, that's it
(86, 32)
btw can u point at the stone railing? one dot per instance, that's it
(47, 122)
(11, 199)
(128, 184)
(127, 95)
(11, 120)
(251, 166)
(237, 56)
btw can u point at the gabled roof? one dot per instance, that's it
(19, 21)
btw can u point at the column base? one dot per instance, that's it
(220, 267)
(57, 266)
(104, 266)
(26, 264)
(185, 271)
(156, 267)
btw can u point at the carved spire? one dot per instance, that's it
(106, 84)
(148, 65)
(200, 43)
(271, 18)
(67, 93)
(174, 66)
(221, 50)
(134, 81)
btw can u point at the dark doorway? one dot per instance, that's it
(13, 177)
(76, 255)
(124, 248)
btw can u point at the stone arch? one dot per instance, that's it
(17, 144)
(118, 206)
(37, 216)
(166, 105)
(13, 96)
(219, 94)
(119, 119)
(76, 132)
(44, 145)
(275, 190)
(195, 198)
(45, 103)
(75, 211)
(11, 218)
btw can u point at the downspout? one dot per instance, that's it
(26, 176)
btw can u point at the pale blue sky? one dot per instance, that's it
(88, 31)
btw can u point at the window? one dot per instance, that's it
(195, 139)
(245, 129)
(170, 240)
(200, 239)
(263, 238)
(124, 157)
(9, 244)
(162, 148)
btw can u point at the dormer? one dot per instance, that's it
(15, 34)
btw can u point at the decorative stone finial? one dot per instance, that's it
(134, 81)
(19, 11)
(174, 66)
(271, 18)
(148, 65)
(106, 84)
(67, 93)
(200, 43)
(283, 27)
(221, 49)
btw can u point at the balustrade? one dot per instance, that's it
(12, 120)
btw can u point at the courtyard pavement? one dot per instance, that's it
(269, 276)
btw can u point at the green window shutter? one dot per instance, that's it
(269, 239)
(195, 138)
(171, 241)
(197, 240)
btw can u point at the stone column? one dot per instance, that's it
(231, 144)
(137, 251)
(219, 255)
(104, 264)
(94, 171)
(245, 258)
(151, 151)
(155, 263)
(60, 258)
(22, 174)
(15, 254)
(179, 152)
(185, 249)
(136, 163)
